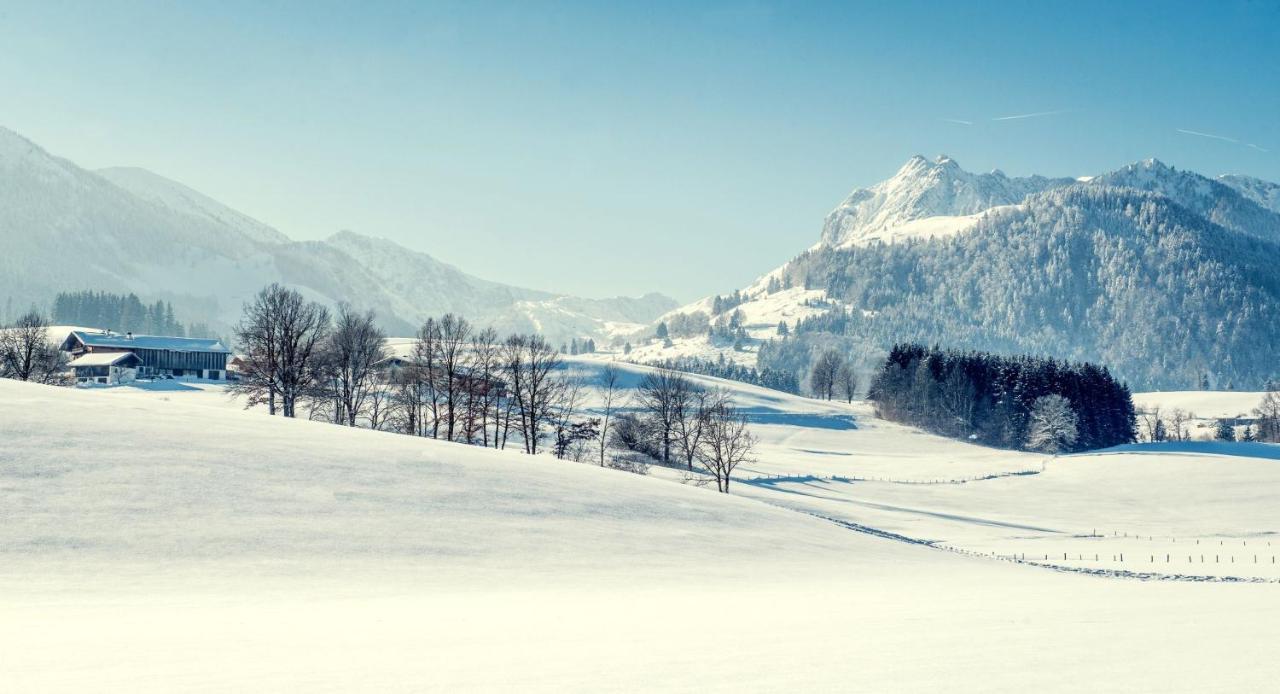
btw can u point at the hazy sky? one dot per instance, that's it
(601, 148)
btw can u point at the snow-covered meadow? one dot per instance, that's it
(161, 539)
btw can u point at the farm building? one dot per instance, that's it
(158, 356)
(108, 368)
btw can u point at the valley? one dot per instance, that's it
(196, 531)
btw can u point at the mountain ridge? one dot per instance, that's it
(898, 259)
(126, 229)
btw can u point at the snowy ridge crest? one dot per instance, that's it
(937, 190)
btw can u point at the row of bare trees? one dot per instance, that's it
(28, 354)
(1157, 425)
(467, 385)
(681, 423)
(281, 337)
(457, 383)
(462, 384)
(833, 377)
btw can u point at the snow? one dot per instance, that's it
(937, 227)
(698, 347)
(166, 342)
(1203, 404)
(1264, 193)
(923, 190)
(761, 313)
(98, 359)
(173, 541)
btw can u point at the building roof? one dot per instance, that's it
(102, 359)
(163, 342)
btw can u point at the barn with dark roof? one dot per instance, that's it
(158, 356)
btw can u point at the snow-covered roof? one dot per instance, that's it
(173, 344)
(102, 359)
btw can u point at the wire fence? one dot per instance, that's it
(775, 479)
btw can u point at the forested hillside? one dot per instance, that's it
(1126, 278)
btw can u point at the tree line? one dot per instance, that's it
(458, 383)
(680, 423)
(1020, 402)
(122, 313)
(467, 385)
(720, 367)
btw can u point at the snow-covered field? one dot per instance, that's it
(1204, 404)
(161, 540)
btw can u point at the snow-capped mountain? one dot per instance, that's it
(1265, 193)
(925, 199)
(63, 228)
(1167, 275)
(1216, 200)
(421, 286)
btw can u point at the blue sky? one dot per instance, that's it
(605, 149)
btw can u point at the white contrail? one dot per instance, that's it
(1260, 149)
(1037, 114)
(957, 120)
(1208, 135)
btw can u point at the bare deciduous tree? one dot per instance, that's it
(486, 390)
(1268, 413)
(380, 408)
(280, 334)
(426, 371)
(610, 397)
(692, 412)
(1154, 429)
(566, 406)
(26, 354)
(846, 382)
(822, 380)
(1179, 421)
(530, 363)
(354, 349)
(663, 393)
(726, 443)
(451, 358)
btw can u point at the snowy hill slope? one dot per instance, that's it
(183, 200)
(130, 230)
(216, 549)
(1206, 404)
(1265, 193)
(424, 286)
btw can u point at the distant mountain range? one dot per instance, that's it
(1168, 276)
(64, 228)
